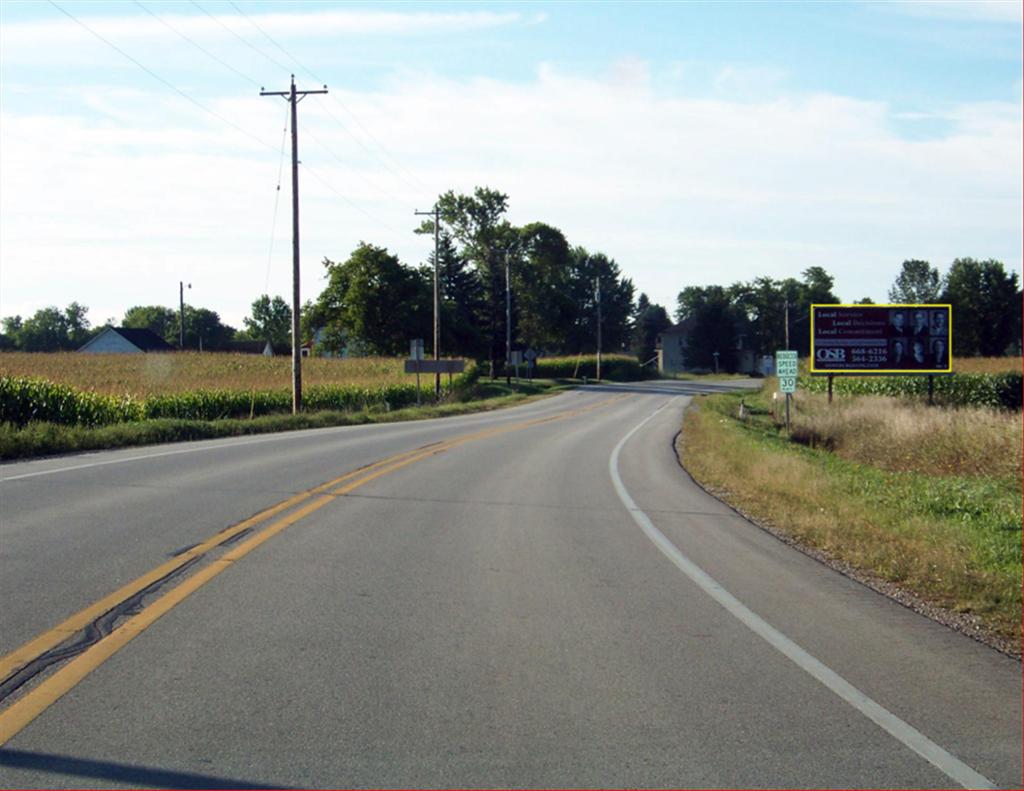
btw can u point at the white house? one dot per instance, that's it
(126, 340)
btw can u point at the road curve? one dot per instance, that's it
(534, 597)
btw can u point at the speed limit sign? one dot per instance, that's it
(786, 370)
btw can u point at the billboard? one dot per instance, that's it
(881, 339)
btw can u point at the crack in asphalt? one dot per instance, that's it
(102, 626)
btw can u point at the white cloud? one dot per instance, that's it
(59, 40)
(680, 191)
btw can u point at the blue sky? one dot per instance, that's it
(694, 143)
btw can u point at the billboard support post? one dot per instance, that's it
(830, 377)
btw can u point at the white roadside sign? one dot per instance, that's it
(786, 370)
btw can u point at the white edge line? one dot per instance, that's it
(946, 763)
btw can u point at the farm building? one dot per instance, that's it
(672, 351)
(126, 340)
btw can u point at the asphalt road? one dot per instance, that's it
(533, 597)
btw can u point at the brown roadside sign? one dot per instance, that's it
(435, 366)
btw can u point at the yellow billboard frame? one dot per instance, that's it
(888, 371)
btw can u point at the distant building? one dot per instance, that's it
(672, 347)
(672, 356)
(126, 340)
(266, 348)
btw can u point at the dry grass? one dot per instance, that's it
(144, 375)
(902, 435)
(952, 540)
(986, 365)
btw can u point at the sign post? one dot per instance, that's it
(786, 369)
(416, 356)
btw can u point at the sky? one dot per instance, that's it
(694, 143)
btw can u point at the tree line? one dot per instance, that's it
(986, 302)
(374, 303)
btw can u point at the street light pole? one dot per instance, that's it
(508, 321)
(181, 314)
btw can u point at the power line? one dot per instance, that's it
(277, 198)
(352, 115)
(194, 43)
(259, 52)
(366, 180)
(355, 206)
(161, 80)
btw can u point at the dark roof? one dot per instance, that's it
(145, 339)
(682, 328)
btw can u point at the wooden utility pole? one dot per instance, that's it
(436, 214)
(597, 293)
(294, 97)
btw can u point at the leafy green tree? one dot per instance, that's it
(204, 329)
(270, 320)
(463, 305)
(540, 282)
(917, 282)
(586, 270)
(163, 321)
(48, 330)
(476, 223)
(45, 331)
(376, 300)
(716, 322)
(78, 327)
(649, 322)
(986, 307)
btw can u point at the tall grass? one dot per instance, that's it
(927, 499)
(896, 434)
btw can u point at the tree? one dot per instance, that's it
(649, 322)
(463, 305)
(204, 329)
(163, 321)
(540, 282)
(715, 322)
(376, 300)
(917, 283)
(77, 325)
(586, 269)
(270, 320)
(45, 331)
(986, 307)
(476, 224)
(48, 330)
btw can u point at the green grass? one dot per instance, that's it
(40, 438)
(951, 537)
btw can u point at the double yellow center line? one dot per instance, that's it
(38, 699)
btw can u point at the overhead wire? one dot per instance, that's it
(220, 117)
(259, 52)
(347, 200)
(383, 151)
(194, 43)
(277, 197)
(161, 80)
